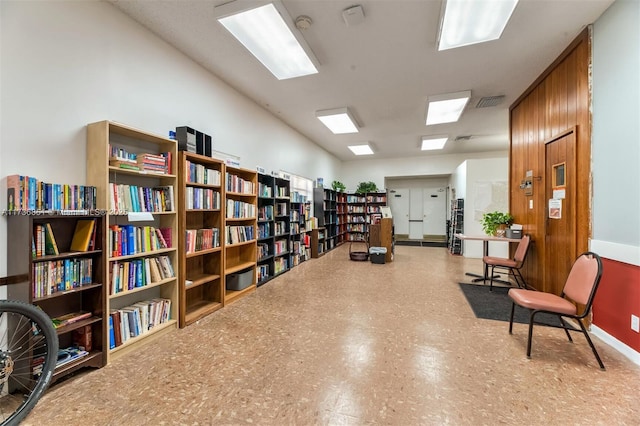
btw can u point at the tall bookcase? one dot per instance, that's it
(375, 200)
(356, 217)
(136, 180)
(282, 234)
(266, 212)
(325, 209)
(201, 281)
(240, 247)
(300, 235)
(69, 282)
(341, 218)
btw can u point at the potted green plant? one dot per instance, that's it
(494, 221)
(365, 187)
(336, 185)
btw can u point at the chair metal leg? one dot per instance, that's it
(530, 333)
(593, 348)
(491, 278)
(524, 284)
(564, 326)
(513, 308)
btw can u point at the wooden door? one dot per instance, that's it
(561, 222)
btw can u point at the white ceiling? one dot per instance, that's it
(382, 69)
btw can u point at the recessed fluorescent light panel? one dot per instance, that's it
(467, 22)
(446, 108)
(361, 149)
(338, 120)
(267, 33)
(430, 143)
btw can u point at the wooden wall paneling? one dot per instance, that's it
(558, 100)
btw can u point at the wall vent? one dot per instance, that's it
(489, 101)
(462, 138)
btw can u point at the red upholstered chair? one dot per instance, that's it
(580, 288)
(511, 265)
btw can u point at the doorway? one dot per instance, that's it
(419, 214)
(560, 224)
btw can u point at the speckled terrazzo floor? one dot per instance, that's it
(339, 342)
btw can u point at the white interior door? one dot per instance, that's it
(415, 213)
(399, 203)
(435, 211)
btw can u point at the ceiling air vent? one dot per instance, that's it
(489, 101)
(462, 138)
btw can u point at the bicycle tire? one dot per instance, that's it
(26, 332)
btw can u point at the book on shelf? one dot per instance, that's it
(65, 356)
(83, 337)
(82, 234)
(70, 318)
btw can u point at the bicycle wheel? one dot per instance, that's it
(28, 355)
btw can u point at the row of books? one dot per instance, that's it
(29, 193)
(44, 241)
(60, 275)
(128, 275)
(240, 209)
(65, 356)
(282, 209)
(264, 190)
(239, 185)
(376, 199)
(263, 272)
(355, 219)
(281, 264)
(282, 191)
(297, 197)
(144, 162)
(202, 239)
(264, 230)
(198, 173)
(137, 319)
(356, 199)
(125, 240)
(239, 234)
(265, 213)
(133, 198)
(202, 198)
(355, 209)
(281, 228)
(263, 251)
(280, 247)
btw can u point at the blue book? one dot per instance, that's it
(112, 336)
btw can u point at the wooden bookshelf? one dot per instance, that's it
(375, 200)
(325, 208)
(300, 211)
(201, 256)
(82, 292)
(341, 216)
(137, 200)
(318, 237)
(356, 217)
(240, 244)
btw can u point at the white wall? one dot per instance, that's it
(376, 170)
(471, 180)
(68, 63)
(616, 128)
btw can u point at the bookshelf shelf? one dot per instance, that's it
(154, 332)
(203, 252)
(153, 188)
(241, 222)
(143, 288)
(204, 266)
(239, 267)
(143, 254)
(60, 298)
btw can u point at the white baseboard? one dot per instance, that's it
(616, 344)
